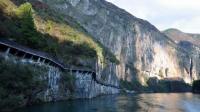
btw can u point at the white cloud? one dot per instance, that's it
(180, 4)
(191, 25)
(132, 6)
(181, 14)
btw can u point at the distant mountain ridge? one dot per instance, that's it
(178, 36)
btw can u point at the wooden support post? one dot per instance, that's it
(24, 56)
(31, 58)
(43, 62)
(38, 60)
(71, 71)
(7, 51)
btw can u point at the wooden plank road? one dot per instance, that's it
(11, 47)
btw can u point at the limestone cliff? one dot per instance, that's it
(143, 50)
(66, 41)
(178, 36)
(190, 43)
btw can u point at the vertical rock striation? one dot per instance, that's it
(53, 78)
(55, 89)
(86, 87)
(143, 50)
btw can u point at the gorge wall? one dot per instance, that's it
(72, 46)
(84, 86)
(144, 53)
(143, 50)
(58, 84)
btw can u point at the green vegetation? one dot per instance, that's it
(196, 86)
(127, 85)
(18, 84)
(167, 86)
(19, 25)
(158, 86)
(30, 36)
(134, 85)
(45, 30)
(68, 80)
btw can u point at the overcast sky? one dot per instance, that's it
(164, 14)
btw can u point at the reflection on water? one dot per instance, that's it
(125, 103)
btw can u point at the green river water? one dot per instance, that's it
(153, 102)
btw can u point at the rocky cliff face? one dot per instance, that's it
(84, 86)
(190, 43)
(88, 88)
(143, 51)
(178, 36)
(68, 43)
(56, 84)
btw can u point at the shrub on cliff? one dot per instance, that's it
(26, 25)
(196, 86)
(167, 85)
(68, 80)
(48, 31)
(17, 84)
(133, 85)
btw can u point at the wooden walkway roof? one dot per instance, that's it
(19, 47)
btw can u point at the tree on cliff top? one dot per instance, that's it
(24, 17)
